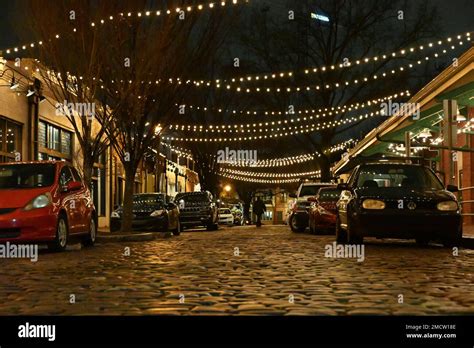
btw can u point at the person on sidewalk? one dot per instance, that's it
(259, 208)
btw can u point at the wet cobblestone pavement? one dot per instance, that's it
(240, 271)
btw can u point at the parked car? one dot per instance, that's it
(151, 211)
(45, 202)
(299, 218)
(197, 209)
(322, 212)
(397, 200)
(226, 217)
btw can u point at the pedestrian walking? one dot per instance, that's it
(259, 208)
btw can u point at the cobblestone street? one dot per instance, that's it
(240, 271)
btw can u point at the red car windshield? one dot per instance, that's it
(309, 190)
(25, 176)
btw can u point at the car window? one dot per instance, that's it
(225, 211)
(24, 176)
(75, 174)
(65, 177)
(415, 177)
(309, 190)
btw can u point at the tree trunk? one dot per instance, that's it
(87, 168)
(325, 166)
(127, 215)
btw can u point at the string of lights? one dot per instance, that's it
(272, 162)
(289, 160)
(313, 70)
(178, 150)
(261, 181)
(240, 128)
(344, 65)
(350, 107)
(334, 85)
(271, 133)
(139, 14)
(269, 175)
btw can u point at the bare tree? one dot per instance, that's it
(148, 63)
(69, 64)
(355, 29)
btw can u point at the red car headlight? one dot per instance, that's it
(40, 201)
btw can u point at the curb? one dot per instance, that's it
(131, 237)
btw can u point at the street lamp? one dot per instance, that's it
(227, 188)
(158, 129)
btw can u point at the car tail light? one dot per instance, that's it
(447, 206)
(373, 204)
(40, 201)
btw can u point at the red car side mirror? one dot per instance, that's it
(72, 186)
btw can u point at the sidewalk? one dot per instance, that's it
(468, 231)
(104, 236)
(468, 236)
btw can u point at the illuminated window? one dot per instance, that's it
(10, 140)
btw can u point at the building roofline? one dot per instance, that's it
(426, 94)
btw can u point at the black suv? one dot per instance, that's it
(197, 209)
(397, 200)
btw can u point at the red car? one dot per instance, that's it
(45, 202)
(322, 213)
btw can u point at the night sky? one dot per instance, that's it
(457, 16)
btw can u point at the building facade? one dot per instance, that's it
(32, 130)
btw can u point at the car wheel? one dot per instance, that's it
(91, 237)
(177, 230)
(353, 236)
(62, 234)
(341, 235)
(294, 226)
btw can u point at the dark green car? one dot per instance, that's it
(397, 200)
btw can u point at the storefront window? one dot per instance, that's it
(10, 139)
(65, 142)
(53, 138)
(42, 134)
(56, 139)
